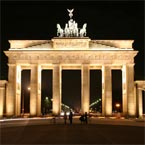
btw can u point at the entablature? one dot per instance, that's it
(75, 43)
(94, 57)
(140, 84)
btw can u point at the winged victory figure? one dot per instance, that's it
(70, 12)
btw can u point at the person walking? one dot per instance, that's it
(86, 118)
(65, 117)
(82, 118)
(70, 117)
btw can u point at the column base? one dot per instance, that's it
(10, 116)
(130, 117)
(108, 116)
(1, 116)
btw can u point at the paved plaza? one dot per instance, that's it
(97, 131)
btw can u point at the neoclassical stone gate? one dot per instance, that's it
(70, 53)
(70, 50)
(139, 87)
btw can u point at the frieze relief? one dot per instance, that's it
(71, 57)
(70, 44)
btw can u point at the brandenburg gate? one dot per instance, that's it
(70, 50)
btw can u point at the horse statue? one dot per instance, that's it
(76, 32)
(66, 30)
(83, 30)
(59, 31)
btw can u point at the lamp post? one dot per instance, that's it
(23, 95)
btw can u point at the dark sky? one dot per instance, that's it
(106, 20)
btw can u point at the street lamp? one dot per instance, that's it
(117, 105)
(23, 95)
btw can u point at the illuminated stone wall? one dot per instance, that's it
(139, 87)
(3, 85)
(59, 54)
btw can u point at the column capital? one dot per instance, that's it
(3, 83)
(34, 65)
(11, 64)
(131, 64)
(85, 63)
(56, 64)
(106, 66)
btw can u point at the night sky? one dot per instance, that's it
(105, 20)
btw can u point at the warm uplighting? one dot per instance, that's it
(29, 88)
(117, 105)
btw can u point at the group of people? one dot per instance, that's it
(70, 117)
(83, 118)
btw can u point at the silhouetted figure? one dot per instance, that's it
(86, 118)
(70, 117)
(65, 117)
(54, 119)
(82, 119)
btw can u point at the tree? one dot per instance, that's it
(47, 104)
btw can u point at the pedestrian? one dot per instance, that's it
(82, 119)
(86, 118)
(54, 119)
(65, 117)
(70, 117)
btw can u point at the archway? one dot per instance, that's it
(46, 92)
(95, 91)
(116, 91)
(71, 89)
(25, 92)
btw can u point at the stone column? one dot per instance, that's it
(140, 103)
(124, 89)
(56, 106)
(11, 90)
(131, 100)
(106, 91)
(39, 90)
(18, 91)
(85, 77)
(2, 96)
(33, 91)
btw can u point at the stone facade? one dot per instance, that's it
(70, 53)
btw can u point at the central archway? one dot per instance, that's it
(71, 89)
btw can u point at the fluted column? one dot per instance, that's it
(131, 100)
(124, 89)
(39, 90)
(85, 77)
(33, 91)
(18, 91)
(56, 105)
(11, 90)
(106, 91)
(140, 103)
(2, 96)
